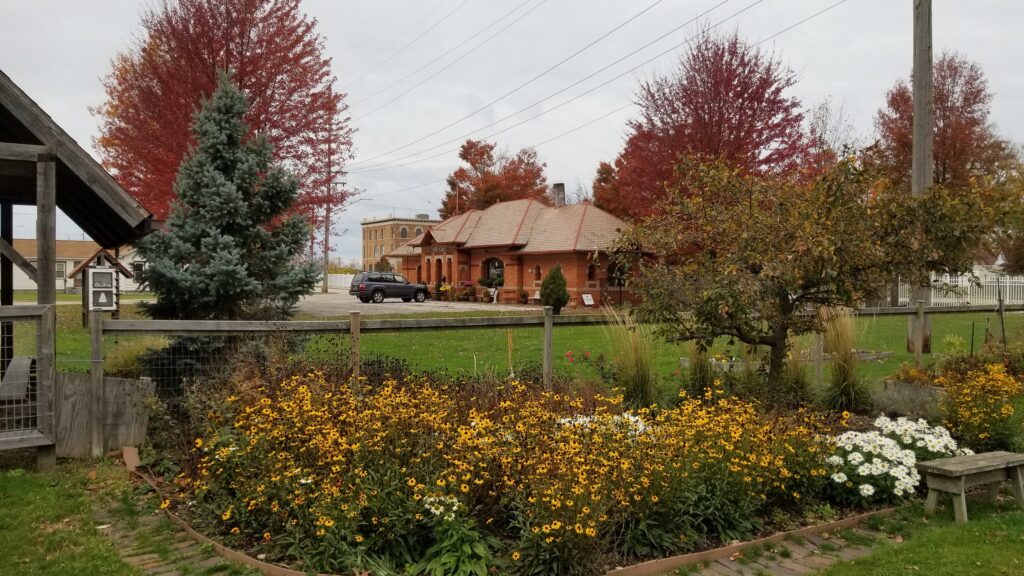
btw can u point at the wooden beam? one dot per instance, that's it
(14, 256)
(21, 152)
(22, 311)
(46, 231)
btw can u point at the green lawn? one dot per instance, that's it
(47, 527)
(30, 296)
(992, 543)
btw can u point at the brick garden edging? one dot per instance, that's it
(647, 568)
(661, 565)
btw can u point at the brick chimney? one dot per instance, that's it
(558, 194)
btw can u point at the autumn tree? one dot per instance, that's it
(750, 256)
(966, 145)
(157, 85)
(489, 177)
(725, 100)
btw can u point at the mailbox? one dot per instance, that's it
(102, 292)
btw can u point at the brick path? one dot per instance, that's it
(792, 557)
(153, 544)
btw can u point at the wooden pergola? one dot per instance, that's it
(41, 166)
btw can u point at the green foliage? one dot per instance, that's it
(227, 250)
(553, 289)
(383, 265)
(747, 254)
(844, 390)
(124, 360)
(458, 550)
(631, 345)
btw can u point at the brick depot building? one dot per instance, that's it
(519, 241)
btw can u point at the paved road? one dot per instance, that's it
(341, 303)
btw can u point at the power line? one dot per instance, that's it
(552, 109)
(574, 98)
(447, 52)
(453, 62)
(525, 84)
(399, 36)
(408, 44)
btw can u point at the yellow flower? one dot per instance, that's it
(164, 504)
(199, 442)
(516, 556)
(359, 538)
(235, 530)
(266, 536)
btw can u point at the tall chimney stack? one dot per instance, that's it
(558, 194)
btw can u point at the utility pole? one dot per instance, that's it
(922, 158)
(327, 210)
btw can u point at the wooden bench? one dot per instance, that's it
(955, 475)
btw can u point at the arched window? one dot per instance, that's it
(419, 231)
(493, 268)
(536, 273)
(403, 232)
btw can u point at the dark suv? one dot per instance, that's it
(376, 286)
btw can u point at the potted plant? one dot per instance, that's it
(524, 297)
(553, 290)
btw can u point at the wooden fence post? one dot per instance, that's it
(96, 383)
(548, 354)
(354, 330)
(1002, 310)
(919, 335)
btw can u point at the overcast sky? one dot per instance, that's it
(57, 50)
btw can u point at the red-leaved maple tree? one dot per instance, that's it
(489, 178)
(725, 100)
(275, 56)
(965, 146)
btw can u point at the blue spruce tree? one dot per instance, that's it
(227, 250)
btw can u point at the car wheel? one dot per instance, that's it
(378, 296)
(364, 299)
(420, 296)
(406, 299)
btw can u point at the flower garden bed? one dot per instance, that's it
(417, 476)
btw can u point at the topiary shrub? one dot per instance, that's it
(553, 290)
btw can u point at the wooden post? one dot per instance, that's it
(548, 341)
(46, 229)
(1002, 310)
(46, 386)
(354, 330)
(96, 382)
(922, 162)
(6, 286)
(819, 358)
(919, 335)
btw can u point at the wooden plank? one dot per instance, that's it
(46, 368)
(17, 439)
(200, 327)
(96, 403)
(21, 152)
(71, 415)
(125, 411)
(15, 257)
(22, 312)
(46, 232)
(548, 362)
(6, 286)
(971, 464)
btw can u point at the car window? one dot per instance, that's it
(373, 278)
(400, 279)
(387, 278)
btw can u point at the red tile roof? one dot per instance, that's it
(527, 226)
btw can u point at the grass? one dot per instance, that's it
(30, 296)
(991, 544)
(486, 349)
(47, 527)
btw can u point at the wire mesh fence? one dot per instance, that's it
(19, 385)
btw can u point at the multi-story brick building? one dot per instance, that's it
(519, 241)
(383, 236)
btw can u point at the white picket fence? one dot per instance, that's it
(339, 281)
(962, 292)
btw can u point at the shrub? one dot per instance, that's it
(125, 358)
(553, 290)
(700, 376)
(631, 349)
(535, 483)
(909, 401)
(979, 407)
(844, 390)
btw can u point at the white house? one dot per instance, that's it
(70, 255)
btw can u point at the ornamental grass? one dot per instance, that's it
(415, 477)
